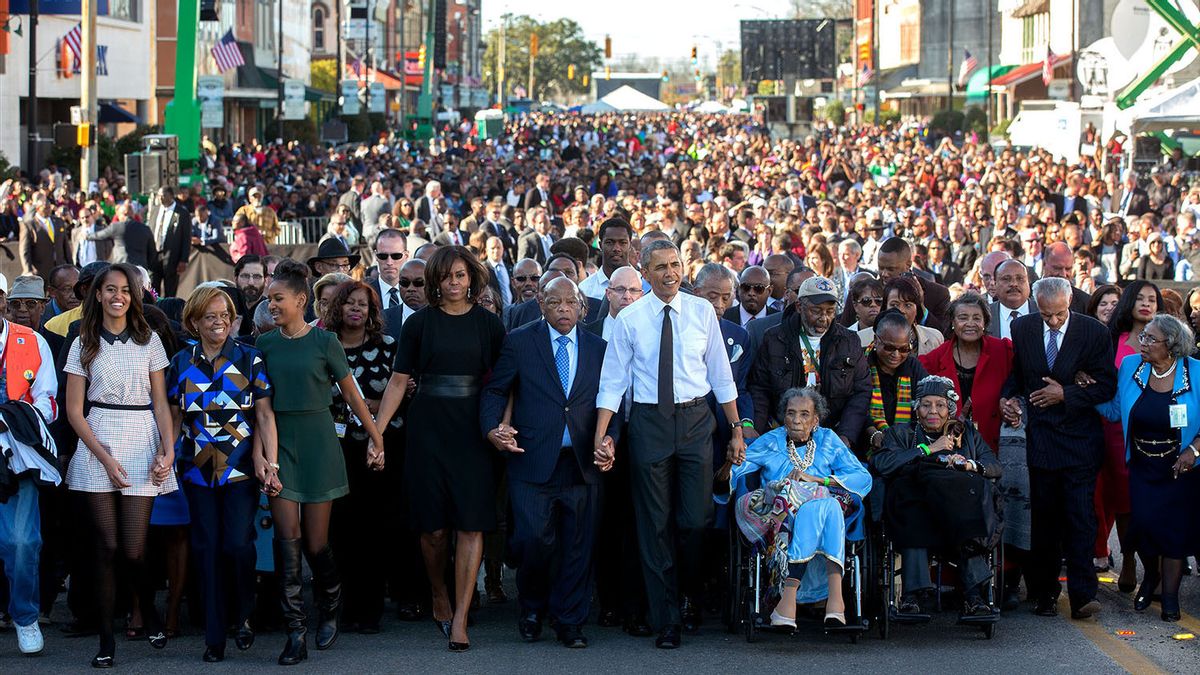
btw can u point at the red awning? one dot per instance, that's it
(1027, 72)
(390, 81)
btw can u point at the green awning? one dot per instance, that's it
(977, 84)
(270, 80)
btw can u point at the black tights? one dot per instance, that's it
(1169, 571)
(110, 511)
(309, 522)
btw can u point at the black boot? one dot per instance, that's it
(328, 592)
(287, 565)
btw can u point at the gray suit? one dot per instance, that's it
(372, 208)
(132, 242)
(998, 311)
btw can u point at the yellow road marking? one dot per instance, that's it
(1119, 650)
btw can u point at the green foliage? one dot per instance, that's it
(976, 120)
(1001, 129)
(886, 117)
(323, 74)
(947, 121)
(304, 130)
(561, 43)
(835, 112)
(6, 169)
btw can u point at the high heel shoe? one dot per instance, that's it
(1145, 596)
(459, 646)
(443, 626)
(1170, 607)
(158, 640)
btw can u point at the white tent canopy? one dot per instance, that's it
(627, 98)
(1171, 109)
(711, 107)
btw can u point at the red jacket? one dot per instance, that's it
(247, 241)
(995, 362)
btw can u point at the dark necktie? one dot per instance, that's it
(1051, 348)
(666, 370)
(393, 297)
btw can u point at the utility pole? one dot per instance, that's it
(950, 59)
(877, 71)
(403, 4)
(31, 122)
(533, 41)
(279, 61)
(89, 158)
(987, 108)
(1074, 28)
(337, 77)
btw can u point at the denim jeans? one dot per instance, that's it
(20, 545)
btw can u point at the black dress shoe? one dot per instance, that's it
(103, 661)
(1144, 597)
(690, 613)
(637, 627)
(668, 638)
(213, 654)
(572, 637)
(530, 627)
(1046, 607)
(410, 611)
(158, 639)
(1170, 608)
(608, 618)
(244, 637)
(459, 646)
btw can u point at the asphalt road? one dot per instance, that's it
(1023, 643)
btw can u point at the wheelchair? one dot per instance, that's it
(748, 610)
(886, 577)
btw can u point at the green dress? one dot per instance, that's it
(311, 466)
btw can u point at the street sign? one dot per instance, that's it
(354, 29)
(378, 100)
(350, 104)
(210, 91)
(293, 99)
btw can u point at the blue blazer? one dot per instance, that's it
(1132, 380)
(526, 370)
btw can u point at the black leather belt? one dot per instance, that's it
(119, 406)
(678, 406)
(449, 386)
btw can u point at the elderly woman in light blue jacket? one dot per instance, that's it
(1158, 404)
(813, 467)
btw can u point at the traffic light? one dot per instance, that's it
(421, 57)
(571, 71)
(607, 47)
(607, 73)
(693, 53)
(85, 135)
(533, 45)
(585, 80)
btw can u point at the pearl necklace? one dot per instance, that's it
(1165, 373)
(299, 334)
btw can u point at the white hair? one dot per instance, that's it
(1051, 286)
(431, 187)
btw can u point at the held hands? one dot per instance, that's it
(161, 469)
(375, 457)
(504, 437)
(1051, 394)
(1185, 463)
(605, 454)
(1010, 409)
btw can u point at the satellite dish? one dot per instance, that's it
(1139, 38)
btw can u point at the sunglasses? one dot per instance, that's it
(898, 349)
(525, 278)
(869, 301)
(757, 288)
(415, 283)
(390, 256)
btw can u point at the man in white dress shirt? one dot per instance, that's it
(1013, 301)
(616, 245)
(391, 250)
(623, 289)
(668, 347)
(412, 296)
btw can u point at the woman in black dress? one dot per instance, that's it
(448, 347)
(354, 315)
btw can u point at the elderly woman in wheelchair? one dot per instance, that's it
(938, 474)
(810, 484)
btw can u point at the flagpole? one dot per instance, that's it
(279, 92)
(89, 160)
(950, 59)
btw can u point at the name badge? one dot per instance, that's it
(340, 428)
(1179, 416)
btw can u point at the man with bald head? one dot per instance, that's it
(1012, 297)
(411, 282)
(778, 266)
(753, 292)
(549, 456)
(987, 271)
(1058, 260)
(623, 289)
(529, 310)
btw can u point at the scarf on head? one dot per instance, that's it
(903, 401)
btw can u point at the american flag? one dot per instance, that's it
(969, 64)
(1048, 66)
(74, 40)
(865, 76)
(355, 66)
(227, 53)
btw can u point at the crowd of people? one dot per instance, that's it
(585, 351)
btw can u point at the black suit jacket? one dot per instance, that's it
(541, 411)
(177, 245)
(503, 230)
(1068, 434)
(533, 197)
(734, 314)
(39, 253)
(950, 274)
(937, 301)
(528, 311)
(132, 242)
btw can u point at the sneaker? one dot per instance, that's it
(29, 638)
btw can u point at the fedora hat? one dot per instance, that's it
(333, 248)
(27, 288)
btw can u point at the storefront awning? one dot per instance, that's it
(977, 84)
(111, 113)
(1031, 7)
(916, 89)
(390, 81)
(1027, 72)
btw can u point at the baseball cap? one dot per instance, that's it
(817, 290)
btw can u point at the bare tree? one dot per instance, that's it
(822, 9)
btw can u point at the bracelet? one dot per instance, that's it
(747, 423)
(923, 448)
(826, 481)
(273, 465)
(874, 434)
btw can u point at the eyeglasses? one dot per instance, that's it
(525, 278)
(415, 283)
(250, 277)
(34, 304)
(895, 349)
(869, 301)
(1148, 339)
(757, 288)
(622, 290)
(390, 256)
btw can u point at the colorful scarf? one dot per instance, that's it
(903, 401)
